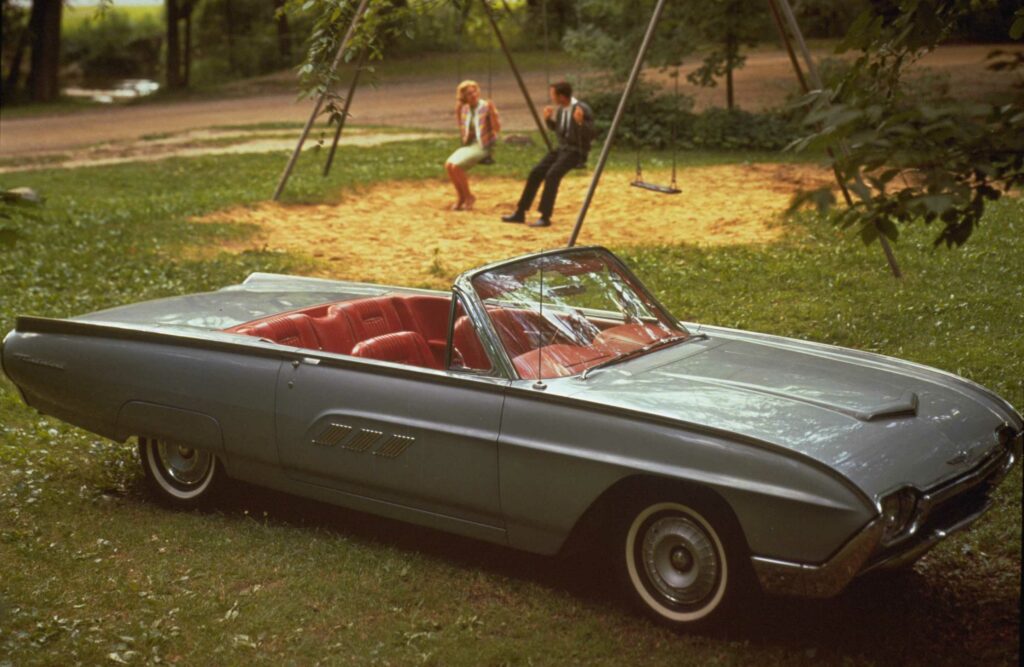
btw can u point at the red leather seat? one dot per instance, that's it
(406, 347)
(372, 317)
(558, 361)
(514, 326)
(628, 337)
(466, 341)
(335, 331)
(295, 330)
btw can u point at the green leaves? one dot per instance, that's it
(906, 150)
(1017, 27)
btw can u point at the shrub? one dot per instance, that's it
(651, 113)
(113, 46)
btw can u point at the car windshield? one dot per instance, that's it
(558, 315)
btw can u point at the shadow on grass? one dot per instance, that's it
(935, 617)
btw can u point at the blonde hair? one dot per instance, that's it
(460, 92)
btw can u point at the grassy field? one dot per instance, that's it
(95, 573)
(74, 17)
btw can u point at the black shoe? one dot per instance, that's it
(540, 222)
(516, 217)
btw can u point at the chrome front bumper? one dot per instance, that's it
(944, 510)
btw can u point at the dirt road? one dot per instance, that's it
(421, 103)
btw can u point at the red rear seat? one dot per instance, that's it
(406, 347)
(391, 328)
(295, 330)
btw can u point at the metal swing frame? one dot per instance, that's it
(789, 31)
(357, 19)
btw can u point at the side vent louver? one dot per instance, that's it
(332, 435)
(394, 446)
(363, 440)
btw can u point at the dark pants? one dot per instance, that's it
(548, 171)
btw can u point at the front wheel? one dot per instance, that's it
(178, 475)
(679, 566)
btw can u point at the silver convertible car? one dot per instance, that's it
(544, 398)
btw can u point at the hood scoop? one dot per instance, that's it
(903, 406)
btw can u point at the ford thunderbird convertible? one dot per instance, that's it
(544, 400)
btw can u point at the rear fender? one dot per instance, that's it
(171, 424)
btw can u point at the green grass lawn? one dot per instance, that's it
(93, 572)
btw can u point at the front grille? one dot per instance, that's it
(947, 508)
(950, 512)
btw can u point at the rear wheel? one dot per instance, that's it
(178, 475)
(679, 562)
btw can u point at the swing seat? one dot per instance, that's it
(656, 187)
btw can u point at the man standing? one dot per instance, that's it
(573, 123)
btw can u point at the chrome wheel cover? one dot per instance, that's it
(680, 560)
(184, 466)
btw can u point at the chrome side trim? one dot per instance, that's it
(819, 581)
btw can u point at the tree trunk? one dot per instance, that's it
(284, 33)
(229, 17)
(14, 73)
(731, 47)
(44, 75)
(187, 55)
(173, 73)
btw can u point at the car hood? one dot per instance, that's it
(880, 422)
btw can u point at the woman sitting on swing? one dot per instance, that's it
(479, 125)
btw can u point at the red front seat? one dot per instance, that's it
(467, 343)
(406, 347)
(371, 317)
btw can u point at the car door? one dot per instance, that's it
(417, 438)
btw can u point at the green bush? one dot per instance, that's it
(653, 117)
(114, 45)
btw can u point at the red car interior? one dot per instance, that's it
(559, 360)
(365, 328)
(406, 347)
(412, 330)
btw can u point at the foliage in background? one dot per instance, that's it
(654, 116)
(727, 26)
(610, 32)
(113, 45)
(905, 156)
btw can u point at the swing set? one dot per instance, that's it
(357, 18)
(789, 32)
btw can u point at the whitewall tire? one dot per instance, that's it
(178, 475)
(677, 564)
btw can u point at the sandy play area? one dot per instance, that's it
(404, 232)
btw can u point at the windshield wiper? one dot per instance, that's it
(632, 354)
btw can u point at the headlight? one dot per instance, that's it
(898, 511)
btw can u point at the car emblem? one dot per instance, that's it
(960, 457)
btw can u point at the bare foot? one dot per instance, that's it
(468, 204)
(458, 206)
